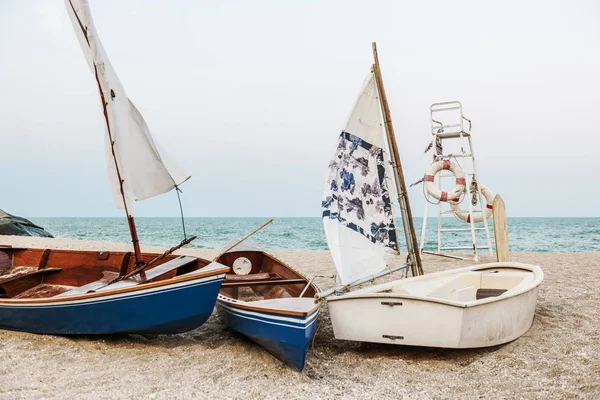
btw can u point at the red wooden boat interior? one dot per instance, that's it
(45, 273)
(268, 278)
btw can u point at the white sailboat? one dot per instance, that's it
(468, 307)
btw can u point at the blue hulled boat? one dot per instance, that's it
(70, 292)
(86, 292)
(269, 302)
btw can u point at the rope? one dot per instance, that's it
(177, 190)
(474, 191)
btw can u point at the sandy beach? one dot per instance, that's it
(559, 357)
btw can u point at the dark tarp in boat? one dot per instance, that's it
(13, 225)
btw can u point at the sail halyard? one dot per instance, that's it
(404, 203)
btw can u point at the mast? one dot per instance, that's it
(407, 221)
(130, 221)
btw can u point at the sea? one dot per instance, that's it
(306, 234)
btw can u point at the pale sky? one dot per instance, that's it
(251, 96)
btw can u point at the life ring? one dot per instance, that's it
(477, 216)
(436, 193)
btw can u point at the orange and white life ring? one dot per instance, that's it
(477, 216)
(436, 193)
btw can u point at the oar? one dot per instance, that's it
(153, 261)
(241, 240)
(307, 286)
(183, 243)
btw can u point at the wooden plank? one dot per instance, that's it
(44, 259)
(265, 283)
(5, 261)
(107, 276)
(11, 247)
(20, 283)
(125, 263)
(162, 269)
(500, 229)
(247, 278)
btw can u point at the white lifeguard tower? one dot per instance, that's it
(452, 142)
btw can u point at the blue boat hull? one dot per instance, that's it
(171, 308)
(286, 337)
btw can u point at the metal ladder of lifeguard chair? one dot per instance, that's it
(448, 123)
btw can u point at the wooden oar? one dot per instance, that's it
(183, 243)
(241, 240)
(153, 261)
(500, 229)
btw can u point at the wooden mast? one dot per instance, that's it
(130, 221)
(407, 221)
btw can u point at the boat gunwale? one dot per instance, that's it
(142, 286)
(246, 306)
(360, 294)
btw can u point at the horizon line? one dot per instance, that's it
(188, 217)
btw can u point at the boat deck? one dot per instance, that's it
(295, 305)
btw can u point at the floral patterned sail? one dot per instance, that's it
(357, 211)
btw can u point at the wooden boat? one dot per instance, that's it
(68, 292)
(268, 301)
(84, 292)
(476, 306)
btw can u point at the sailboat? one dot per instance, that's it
(476, 306)
(56, 291)
(268, 301)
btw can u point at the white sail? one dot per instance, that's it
(145, 168)
(357, 211)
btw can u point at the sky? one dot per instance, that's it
(250, 97)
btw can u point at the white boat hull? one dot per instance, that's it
(379, 315)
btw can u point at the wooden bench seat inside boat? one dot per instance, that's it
(102, 284)
(12, 285)
(248, 277)
(265, 282)
(258, 279)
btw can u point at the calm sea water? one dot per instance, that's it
(525, 234)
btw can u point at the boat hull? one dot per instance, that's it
(379, 315)
(429, 324)
(285, 336)
(170, 308)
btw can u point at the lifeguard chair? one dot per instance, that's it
(453, 156)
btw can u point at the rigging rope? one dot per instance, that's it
(177, 190)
